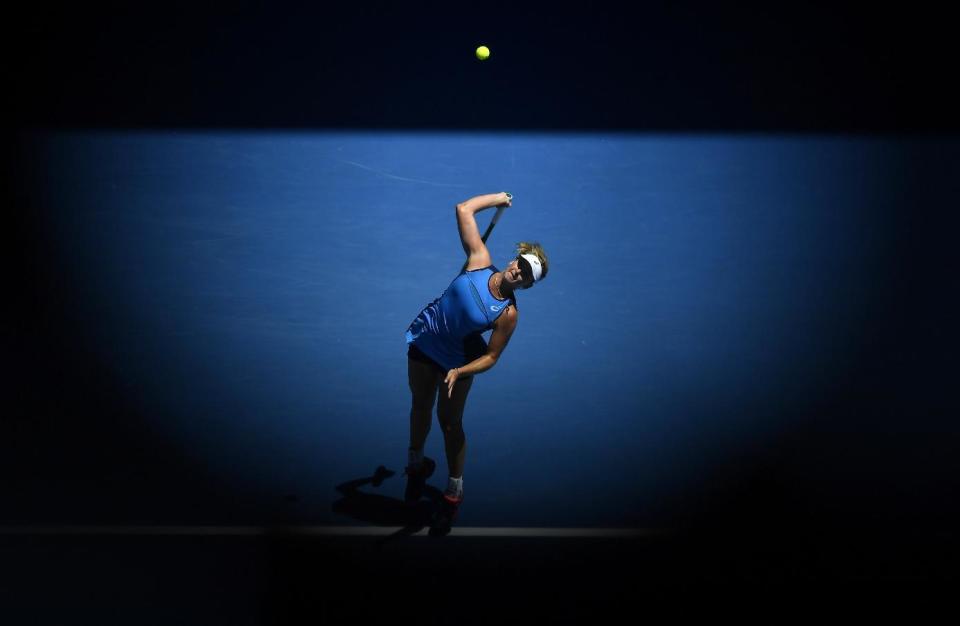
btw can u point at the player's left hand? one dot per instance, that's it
(451, 380)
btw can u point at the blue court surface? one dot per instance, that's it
(248, 295)
(718, 350)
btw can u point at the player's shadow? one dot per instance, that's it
(378, 510)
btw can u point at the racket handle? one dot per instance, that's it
(493, 222)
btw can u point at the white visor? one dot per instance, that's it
(535, 265)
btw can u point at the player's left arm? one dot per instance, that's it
(502, 331)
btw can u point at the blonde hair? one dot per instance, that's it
(525, 247)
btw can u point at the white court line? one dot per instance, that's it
(326, 531)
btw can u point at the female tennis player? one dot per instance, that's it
(446, 348)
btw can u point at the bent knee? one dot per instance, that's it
(452, 428)
(423, 405)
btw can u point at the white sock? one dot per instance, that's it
(414, 457)
(455, 487)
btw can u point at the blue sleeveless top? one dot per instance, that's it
(448, 329)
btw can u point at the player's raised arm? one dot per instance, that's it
(473, 245)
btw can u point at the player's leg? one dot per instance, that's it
(424, 379)
(450, 414)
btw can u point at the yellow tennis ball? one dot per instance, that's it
(483, 52)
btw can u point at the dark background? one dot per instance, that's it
(679, 66)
